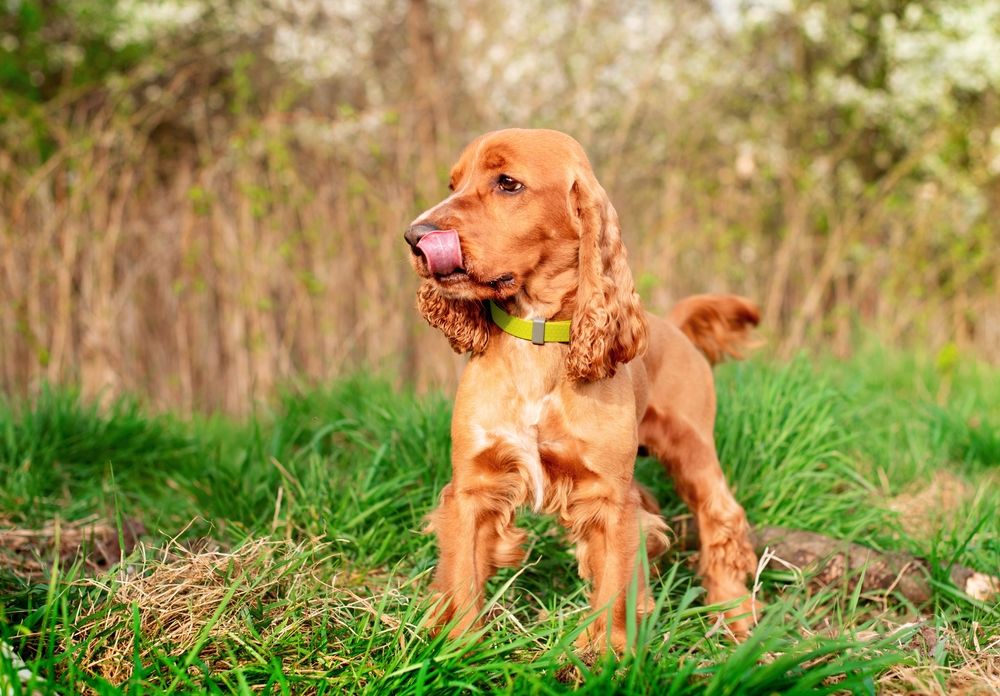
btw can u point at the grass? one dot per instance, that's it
(285, 553)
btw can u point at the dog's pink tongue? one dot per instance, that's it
(442, 251)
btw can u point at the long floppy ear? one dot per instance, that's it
(609, 326)
(462, 321)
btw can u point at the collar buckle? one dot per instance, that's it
(538, 332)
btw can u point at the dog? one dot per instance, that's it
(522, 266)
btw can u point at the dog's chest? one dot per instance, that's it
(535, 443)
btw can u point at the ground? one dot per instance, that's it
(284, 552)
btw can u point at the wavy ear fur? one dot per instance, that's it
(609, 326)
(462, 321)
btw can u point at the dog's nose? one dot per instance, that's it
(416, 232)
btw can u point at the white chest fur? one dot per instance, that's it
(521, 435)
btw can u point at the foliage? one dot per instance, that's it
(51, 47)
(201, 199)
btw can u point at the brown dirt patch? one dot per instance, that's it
(925, 509)
(30, 553)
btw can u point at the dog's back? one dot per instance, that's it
(700, 331)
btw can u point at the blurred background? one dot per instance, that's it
(202, 200)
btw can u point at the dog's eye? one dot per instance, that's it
(509, 185)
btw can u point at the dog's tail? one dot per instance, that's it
(718, 325)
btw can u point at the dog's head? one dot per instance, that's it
(527, 218)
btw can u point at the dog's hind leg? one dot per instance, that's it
(726, 555)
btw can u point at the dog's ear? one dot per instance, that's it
(609, 326)
(464, 322)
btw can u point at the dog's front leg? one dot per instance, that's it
(476, 535)
(607, 521)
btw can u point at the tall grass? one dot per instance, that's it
(338, 480)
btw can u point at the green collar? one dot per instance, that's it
(538, 331)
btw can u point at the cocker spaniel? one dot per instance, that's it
(523, 267)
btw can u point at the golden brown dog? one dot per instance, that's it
(556, 425)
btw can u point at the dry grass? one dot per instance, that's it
(974, 668)
(261, 601)
(244, 269)
(185, 601)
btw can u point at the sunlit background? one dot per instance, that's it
(200, 201)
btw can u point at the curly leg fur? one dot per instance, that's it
(727, 557)
(476, 536)
(608, 532)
